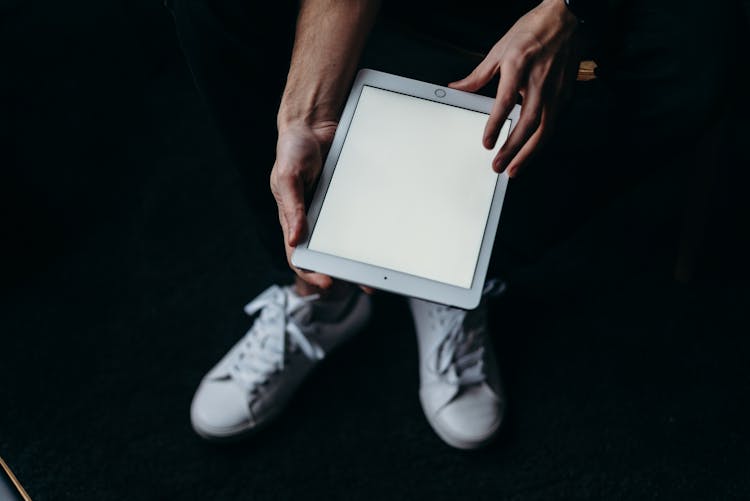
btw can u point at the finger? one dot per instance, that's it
(284, 225)
(289, 193)
(505, 100)
(317, 279)
(530, 148)
(528, 122)
(547, 121)
(555, 100)
(478, 78)
(367, 290)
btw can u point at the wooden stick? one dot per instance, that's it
(15, 481)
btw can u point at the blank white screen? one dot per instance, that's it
(412, 188)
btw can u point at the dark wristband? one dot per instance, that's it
(584, 10)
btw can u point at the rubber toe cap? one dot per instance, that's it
(220, 410)
(471, 420)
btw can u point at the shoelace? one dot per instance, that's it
(462, 346)
(461, 349)
(264, 348)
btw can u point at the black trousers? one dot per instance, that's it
(598, 194)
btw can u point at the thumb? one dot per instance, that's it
(290, 199)
(477, 79)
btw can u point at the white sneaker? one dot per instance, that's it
(253, 383)
(460, 387)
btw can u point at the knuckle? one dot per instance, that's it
(281, 174)
(532, 118)
(285, 172)
(532, 122)
(539, 73)
(512, 53)
(491, 64)
(273, 182)
(506, 100)
(515, 57)
(510, 147)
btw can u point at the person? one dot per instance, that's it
(238, 54)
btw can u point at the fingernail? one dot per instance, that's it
(498, 165)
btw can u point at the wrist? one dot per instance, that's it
(311, 118)
(309, 100)
(322, 130)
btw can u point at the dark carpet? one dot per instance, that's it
(129, 254)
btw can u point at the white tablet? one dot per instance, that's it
(407, 200)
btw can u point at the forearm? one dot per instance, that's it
(329, 40)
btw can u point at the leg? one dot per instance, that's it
(238, 53)
(460, 390)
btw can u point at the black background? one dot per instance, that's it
(128, 253)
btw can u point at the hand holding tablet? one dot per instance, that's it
(407, 200)
(299, 159)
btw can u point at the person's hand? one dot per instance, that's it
(535, 59)
(299, 159)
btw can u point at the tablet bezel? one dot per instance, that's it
(384, 278)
